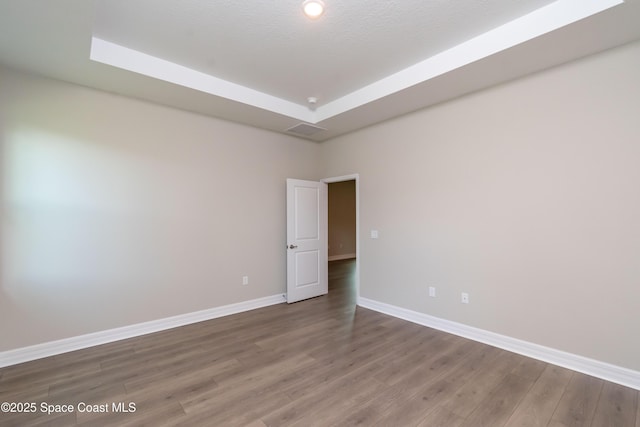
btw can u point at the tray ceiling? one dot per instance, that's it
(258, 62)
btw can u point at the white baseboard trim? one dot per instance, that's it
(341, 257)
(595, 368)
(52, 348)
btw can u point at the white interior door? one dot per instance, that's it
(306, 239)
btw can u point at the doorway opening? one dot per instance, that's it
(342, 220)
(343, 236)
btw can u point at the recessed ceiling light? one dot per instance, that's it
(313, 8)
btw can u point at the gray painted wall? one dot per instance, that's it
(525, 195)
(116, 211)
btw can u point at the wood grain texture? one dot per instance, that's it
(538, 406)
(638, 410)
(578, 404)
(617, 407)
(320, 362)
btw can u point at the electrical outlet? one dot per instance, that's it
(245, 280)
(464, 298)
(432, 291)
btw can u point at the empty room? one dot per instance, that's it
(320, 213)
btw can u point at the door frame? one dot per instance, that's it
(343, 178)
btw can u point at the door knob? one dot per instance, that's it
(293, 246)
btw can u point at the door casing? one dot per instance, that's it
(352, 177)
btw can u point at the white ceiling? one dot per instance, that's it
(269, 46)
(258, 62)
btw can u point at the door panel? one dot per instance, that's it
(306, 239)
(306, 213)
(307, 268)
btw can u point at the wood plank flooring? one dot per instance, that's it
(320, 362)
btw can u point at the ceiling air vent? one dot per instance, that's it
(305, 129)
